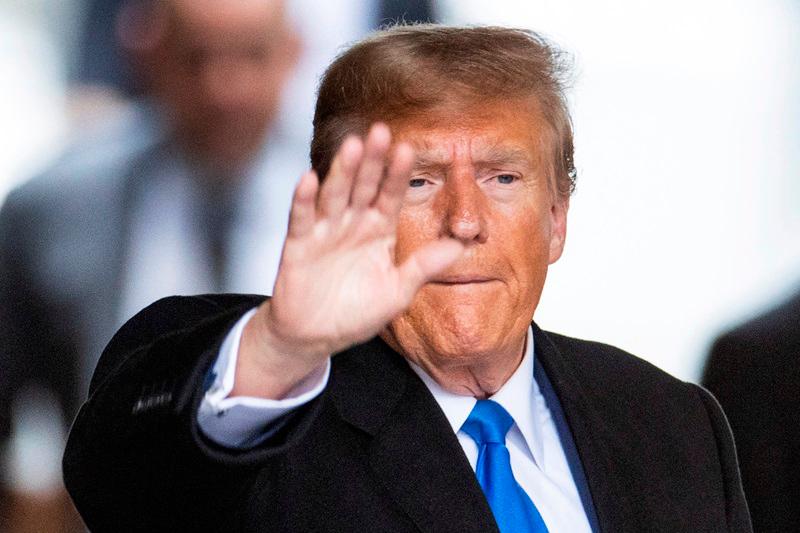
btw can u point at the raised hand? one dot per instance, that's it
(338, 283)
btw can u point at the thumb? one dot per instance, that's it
(426, 263)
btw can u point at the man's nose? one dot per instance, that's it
(465, 209)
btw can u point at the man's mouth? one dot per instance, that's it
(462, 279)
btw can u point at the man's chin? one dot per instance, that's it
(460, 337)
(454, 325)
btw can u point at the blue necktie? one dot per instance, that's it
(513, 510)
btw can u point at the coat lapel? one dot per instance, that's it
(90, 274)
(108, 230)
(597, 443)
(414, 451)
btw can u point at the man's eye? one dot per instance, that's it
(506, 179)
(416, 182)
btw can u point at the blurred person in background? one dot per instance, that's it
(167, 200)
(754, 371)
(177, 168)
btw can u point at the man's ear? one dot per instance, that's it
(558, 227)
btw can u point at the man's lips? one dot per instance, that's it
(462, 279)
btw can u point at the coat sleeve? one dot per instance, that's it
(736, 511)
(136, 459)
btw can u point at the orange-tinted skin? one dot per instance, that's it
(479, 178)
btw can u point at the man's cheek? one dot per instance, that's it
(413, 232)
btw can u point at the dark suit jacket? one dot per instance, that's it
(754, 370)
(374, 452)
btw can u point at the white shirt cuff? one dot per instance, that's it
(241, 421)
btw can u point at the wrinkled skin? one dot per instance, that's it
(477, 178)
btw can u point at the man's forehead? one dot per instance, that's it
(499, 132)
(442, 148)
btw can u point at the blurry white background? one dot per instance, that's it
(36, 38)
(687, 214)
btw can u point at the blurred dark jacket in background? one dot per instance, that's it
(754, 371)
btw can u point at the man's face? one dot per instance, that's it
(479, 178)
(220, 70)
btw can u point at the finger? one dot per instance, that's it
(303, 213)
(394, 187)
(370, 173)
(426, 263)
(334, 195)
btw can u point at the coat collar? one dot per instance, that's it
(414, 452)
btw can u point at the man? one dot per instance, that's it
(419, 261)
(754, 370)
(171, 199)
(159, 203)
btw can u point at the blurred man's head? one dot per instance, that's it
(218, 67)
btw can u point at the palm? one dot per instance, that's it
(342, 278)
(338, 283)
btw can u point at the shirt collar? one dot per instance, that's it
(518, 396)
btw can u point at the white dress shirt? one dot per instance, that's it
(235, 422)
(537, 457)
